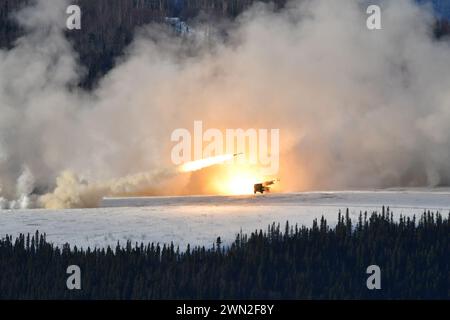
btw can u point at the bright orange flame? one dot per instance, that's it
(239, 183)
(236, 180)
(203, 163)
(225, 178)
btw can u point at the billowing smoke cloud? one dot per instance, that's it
(356, 108)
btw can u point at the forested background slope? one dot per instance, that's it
(109, 25)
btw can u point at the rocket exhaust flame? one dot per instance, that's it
(206, 162)
(226, 179)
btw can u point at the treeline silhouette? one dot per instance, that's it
(290, 262)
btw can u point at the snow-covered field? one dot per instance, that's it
(199, 220)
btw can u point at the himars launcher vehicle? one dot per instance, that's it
(264, 186)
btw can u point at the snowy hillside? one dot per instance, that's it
(200, 220)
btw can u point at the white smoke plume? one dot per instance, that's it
(356, 108)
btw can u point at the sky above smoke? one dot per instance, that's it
(355, 108)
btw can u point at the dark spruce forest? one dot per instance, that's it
(281, 262)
